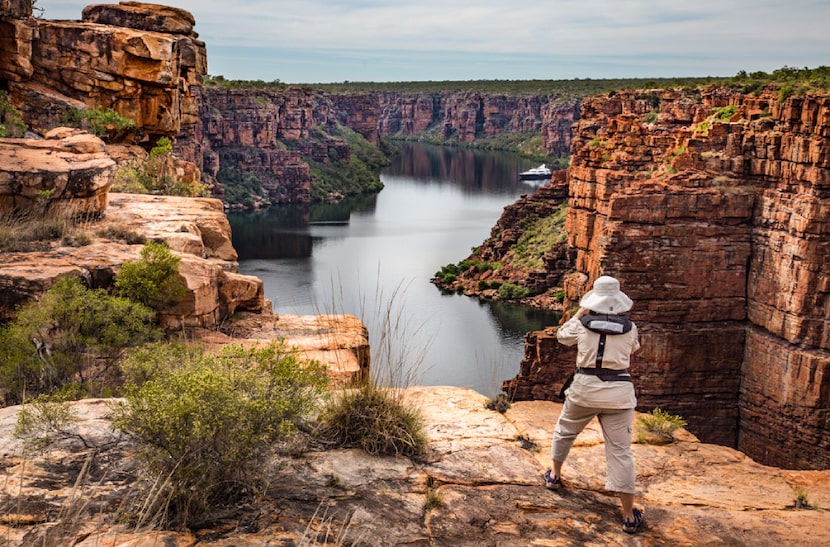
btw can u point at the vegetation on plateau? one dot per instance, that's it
(155, 174)
(539, 235)
(356, 175)
(658, 424)
(11, 123)
(207, 423)
(104, 123)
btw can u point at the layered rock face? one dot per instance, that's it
(67, 174)
(141, 60)
(713, 211)
(464, 117)
(243, 131)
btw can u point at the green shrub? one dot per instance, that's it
(724, 113)
(204, 422)
(48, 418)
(11, 123)
(154, 279)
(107, 124)
(71, 335)
(155, 175)
(511, 291)
(374, 419)
(659, 423)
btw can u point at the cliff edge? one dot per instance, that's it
(480, 484)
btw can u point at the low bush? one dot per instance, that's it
(72, 334)
(105, 123)
(156, 175)
(660, 424)
(11, 122)
(511, 291)
(374, 419)
(154, 279)
(204, 422)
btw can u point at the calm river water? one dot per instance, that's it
(374, 257)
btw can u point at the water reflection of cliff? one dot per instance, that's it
(284, 231)
(517, 319)
(472, 170)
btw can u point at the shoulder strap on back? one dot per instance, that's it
(606, 323)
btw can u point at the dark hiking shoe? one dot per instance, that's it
(552, 483)
(630, 526)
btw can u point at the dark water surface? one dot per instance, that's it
(374, 257)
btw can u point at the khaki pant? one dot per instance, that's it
(616, 429)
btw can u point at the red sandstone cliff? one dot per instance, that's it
(460, 117)
(712, 208)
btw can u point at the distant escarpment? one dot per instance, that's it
(530, 123)
(284, 144)
(712, 207)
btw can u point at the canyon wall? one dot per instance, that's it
(713, 208)
(460, 117)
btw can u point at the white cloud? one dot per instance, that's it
(626, 37)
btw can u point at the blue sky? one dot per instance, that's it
(316, 41)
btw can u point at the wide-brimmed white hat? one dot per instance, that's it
(606, 297)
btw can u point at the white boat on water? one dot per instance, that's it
(541, 172)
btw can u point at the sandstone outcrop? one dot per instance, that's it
(712, 209)
(66, 174)
(220, 306)
(483, 468)
(141, 60)
(71, 174)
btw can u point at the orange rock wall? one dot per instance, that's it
(141, 60)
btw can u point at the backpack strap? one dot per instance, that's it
(606, 323)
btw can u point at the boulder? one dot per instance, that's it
(67, 174)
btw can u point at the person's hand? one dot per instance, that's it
(582, 312)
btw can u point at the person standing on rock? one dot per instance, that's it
(601, 387)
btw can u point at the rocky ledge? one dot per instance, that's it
(70, 175)
(483, 469)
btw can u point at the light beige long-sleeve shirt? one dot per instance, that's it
(591, 391)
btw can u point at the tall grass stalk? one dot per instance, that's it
(376, 416)
(397, 358)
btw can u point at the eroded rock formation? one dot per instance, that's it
(72, 175)
(66, 174)
(141, 60)
(460, 117)
(713, 210)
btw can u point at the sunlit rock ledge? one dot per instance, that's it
(484, 467)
